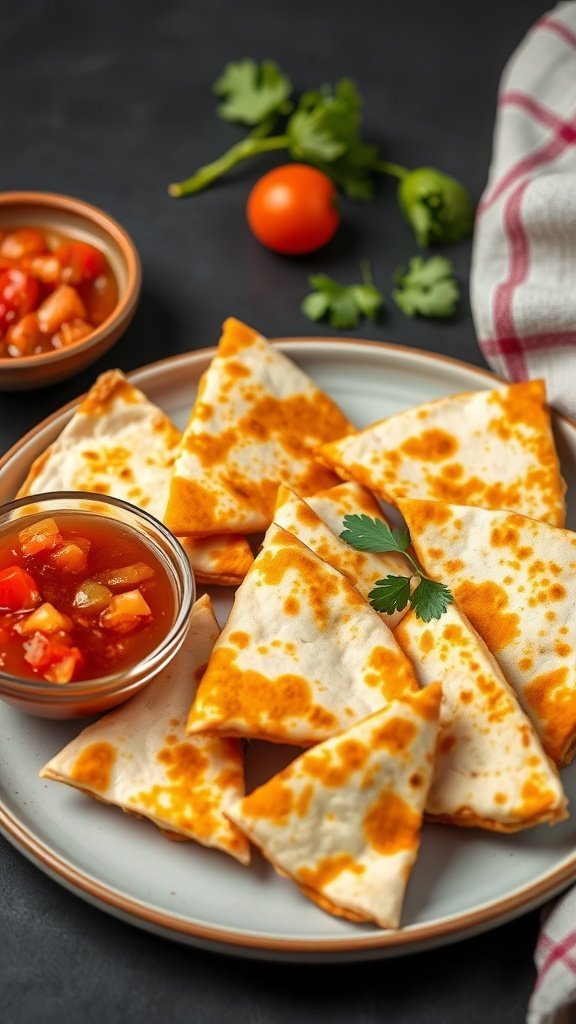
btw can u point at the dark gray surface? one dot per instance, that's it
(110, 101)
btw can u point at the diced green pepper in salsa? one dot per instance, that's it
(81, 596)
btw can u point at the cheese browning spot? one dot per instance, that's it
(431, 446)
(274, 801)
(327, 869)
(188, 800)
(390, 671)
(93, 766)
(183, 762)
(273, 564)
(485, 605)
(304, 800)
(230, 694)
(535, 797)
(108, 389)
(392, 825)
(551, 697)
(396, 735)
(423, 514)
(523, 404)
(239, 638)
(190, 502)
(426, 702)
(235, 337)
(426, 641)
(334, 769)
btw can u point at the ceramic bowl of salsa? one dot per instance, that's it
(69, 285)
(95, 600)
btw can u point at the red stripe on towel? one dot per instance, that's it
(560, 28)
(559, 952)
(537, 110)
(531, 342)
(518, 266)
(548, 152)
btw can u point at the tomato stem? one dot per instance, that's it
(248, 147)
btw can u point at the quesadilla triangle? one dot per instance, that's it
(343, 820)
(256, 421)
(139, 758)
(514, 579)
(494, 449)
(302, 655)
(219, 560)
(318, 522)
(119, 443)
(490, 769)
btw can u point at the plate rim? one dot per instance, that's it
(139, 913)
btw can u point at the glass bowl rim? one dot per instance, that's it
(118, 681)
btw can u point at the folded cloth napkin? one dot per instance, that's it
(523, 279)
(523, 294)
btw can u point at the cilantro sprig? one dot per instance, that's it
(324, 128)
(252, 92)
(429, 598)
(427, 287)
(343, 305)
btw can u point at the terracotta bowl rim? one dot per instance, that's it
(125, 306)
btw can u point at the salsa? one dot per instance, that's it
(54, 291)
(81, 596)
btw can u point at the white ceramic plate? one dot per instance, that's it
(464, 881)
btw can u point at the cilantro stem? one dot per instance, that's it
(418, 571)
(243, 150)
(394, 170)
(263, 129)
(366, 271)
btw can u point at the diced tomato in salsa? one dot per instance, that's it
(53, 291)
(18, 590)
(19, 290)
(80, 261)
(58, 620)
(41, 536)
(23, 242)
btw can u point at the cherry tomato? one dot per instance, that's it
(18, 590)
(292, 209)
(80, 261)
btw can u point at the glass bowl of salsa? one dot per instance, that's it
(69, 285)
(95, 600)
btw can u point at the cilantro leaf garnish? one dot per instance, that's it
(367, 534)
(343, 305)
(429, 598)
(325, 130)
(391, 594)
(252, 92)
(427, 287)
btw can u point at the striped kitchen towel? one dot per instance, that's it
(523, 294)
(554, 998)
(523, 278)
